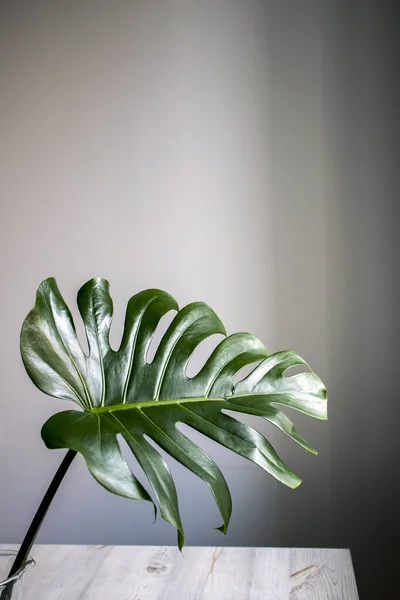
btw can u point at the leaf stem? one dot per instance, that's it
(37, 520)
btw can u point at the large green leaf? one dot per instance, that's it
(122, 393)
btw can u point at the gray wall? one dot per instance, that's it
(242, 153)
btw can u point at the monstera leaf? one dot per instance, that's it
(122, 393)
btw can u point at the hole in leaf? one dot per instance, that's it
(117, 323)
(296, 370)
(132, 462)
(158, 334)
(261, 425)
(164, 454)
(216, 451)
(201, 354)
(70, 300)
(189, 485)
(244, 371)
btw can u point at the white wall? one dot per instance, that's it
(198, 147)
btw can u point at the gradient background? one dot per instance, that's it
(239, 152)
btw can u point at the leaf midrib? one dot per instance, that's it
(176, 401)
(150, 403)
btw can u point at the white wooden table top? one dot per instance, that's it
(161, 572)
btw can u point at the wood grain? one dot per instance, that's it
(202, 573)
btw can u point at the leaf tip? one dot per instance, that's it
(295, 483)
(49, 281)
(324, 412)
(181, 540)
(312, 451)
(223, 528)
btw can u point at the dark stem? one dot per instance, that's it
(37, 521)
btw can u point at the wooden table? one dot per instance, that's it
(150, 572)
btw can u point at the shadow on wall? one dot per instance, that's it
(361, 112)
(333, 115)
